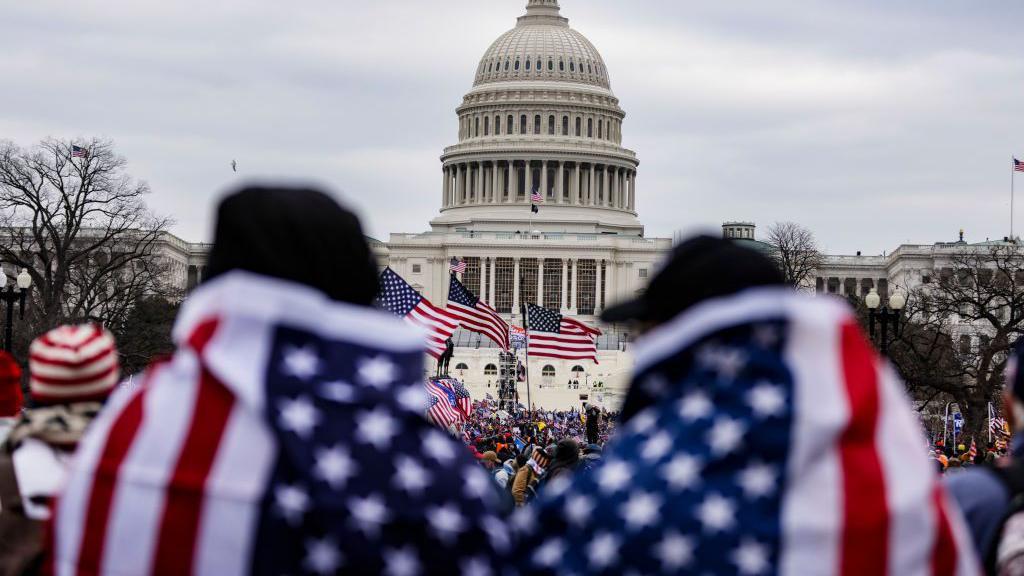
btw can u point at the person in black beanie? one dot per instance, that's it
(296, 234)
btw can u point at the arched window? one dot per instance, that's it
(476, 126)
(510, 125)
(497, 125)
(506, 65)
(551, 125)
(551, 65)
(487, 125)
(490, 66)
(578, 125)
(522, 124)
(600, 129)
(461, 366)
(577, 369)
(527, 63)
(572, 66)
(536, 124)
(548, 371)
(517, 64)
(590, 127)
(565, 125)
(538, 64)
(561, 65)
(490, 370)
(590, 69)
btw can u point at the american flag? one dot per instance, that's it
(536, 196)
(475, 314)
(282, 438)
(449, 402)
(552, 335)
(1018, 166)
(762, 435)
(79, 152)
(457, 266)
(397, 297)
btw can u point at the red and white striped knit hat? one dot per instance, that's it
(73, 364)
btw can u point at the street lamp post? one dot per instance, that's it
(9, 297)
(885, 315)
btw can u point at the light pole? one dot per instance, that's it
(885, 315)
(9, 296)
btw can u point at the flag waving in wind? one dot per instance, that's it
(397, 297)
(535, 199)
(457, 266)
(1018, 166)
(474, 314)
(552, 335)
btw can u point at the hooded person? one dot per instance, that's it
(72, 370)
(565, 461)
(761, 434)
(287, 433)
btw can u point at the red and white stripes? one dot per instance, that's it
(437, 323)
(167, 463)
(574, 341)
(73, 364)
(483, 319)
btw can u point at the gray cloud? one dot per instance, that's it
(873, 123)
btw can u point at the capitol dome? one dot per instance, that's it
(540, 117)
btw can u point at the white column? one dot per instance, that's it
(565, 286)
(444, 187)
(480, 183)
(632, 190)
(515, 286)
(599, 289)
(593, 178)
(495, 182)
(494, 279)
(609, 284)
(459, 184)
(573, 304)
(544, 179)
(575, 186)
(513, 181)
(559, 186)
(540, 281)
(528, 181)
(605, 188)
(483, 274)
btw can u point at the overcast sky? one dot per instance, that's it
(871, 122)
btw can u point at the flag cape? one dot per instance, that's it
(285, 435)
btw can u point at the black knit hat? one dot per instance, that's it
(296, 234)
(700, 268)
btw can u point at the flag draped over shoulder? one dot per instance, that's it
(761, 434)
(399, 298)
(475, 315)
(555, 336)
(286, 435)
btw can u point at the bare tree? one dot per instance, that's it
(794, 251)
(78, 223)
(960, 329)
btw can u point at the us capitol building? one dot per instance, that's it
(541, 114)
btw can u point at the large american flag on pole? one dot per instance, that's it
(1018, 166)
(474, 314)
(450, 402)
(552, 335)
(285, 436)
(761, 435)
(399, 298)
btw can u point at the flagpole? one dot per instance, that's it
(1013, 168)
(524, 310)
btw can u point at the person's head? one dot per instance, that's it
(567, 451)
(1013, 390)
(296, 234)
(71, 364)
(11, 398)
(490, 460)
(698, 269)
(953, 463)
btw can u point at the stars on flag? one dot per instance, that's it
(377, 372)
(292, 502)
(323, 556)
(299, 415)
(301, 362)
(335, 466)
(376, 427)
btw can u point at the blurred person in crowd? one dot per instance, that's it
(72, 370)
(11, 397)
(287, 433)
(761, 434)
(992, 496)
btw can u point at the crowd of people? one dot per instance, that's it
(286, 434)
